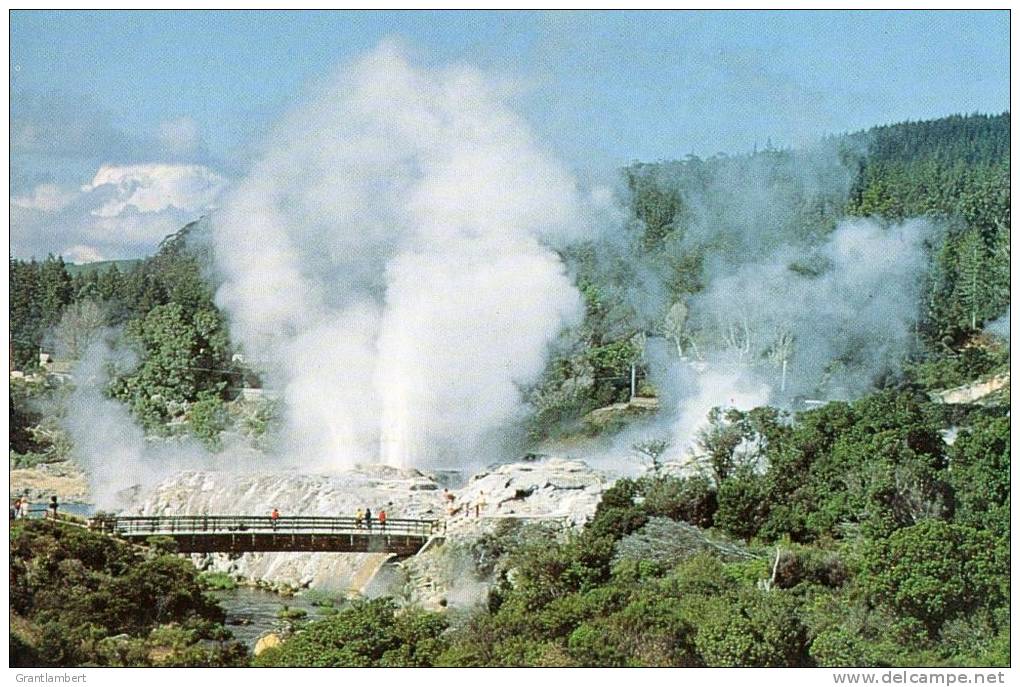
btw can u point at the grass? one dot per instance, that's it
(317, 597)
(288, 613)
(217, 580)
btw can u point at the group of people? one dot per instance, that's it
(363, 517)
(21, 508)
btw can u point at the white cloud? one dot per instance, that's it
(123, 212)
(81, 254)
(155, 187)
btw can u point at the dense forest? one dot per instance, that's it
(856, 533)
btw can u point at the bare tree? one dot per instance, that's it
(674, 326)
(653, 450)
(739, 337)
(780, 353)
(670, 541)
(78, 327)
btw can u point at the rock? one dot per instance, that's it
(619, 413)
(266, 642)
(971, 393)
(554, 488)
(564, 491)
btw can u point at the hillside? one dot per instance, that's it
(101, 266)
(690, 219)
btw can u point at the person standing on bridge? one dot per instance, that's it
(382, 518)
(274, 517)
(23, 511)
(53, 507)
(16, 509)
(368, 517)
(358, 517)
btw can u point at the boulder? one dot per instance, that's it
(267, 641)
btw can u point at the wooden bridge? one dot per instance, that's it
(243, 533)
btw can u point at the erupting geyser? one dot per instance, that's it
(388, 263)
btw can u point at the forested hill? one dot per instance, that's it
(974, 140)
(727, 211)
(686, 215)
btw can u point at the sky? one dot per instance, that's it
(127, 124)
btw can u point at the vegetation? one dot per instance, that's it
(186, 376)
(368, 634)
(82, 599)
(217, 580)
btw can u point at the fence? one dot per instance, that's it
(228, 524)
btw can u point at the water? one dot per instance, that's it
(252, 613)
(39, 509)
(85, 510)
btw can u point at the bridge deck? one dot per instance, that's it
(243, 533)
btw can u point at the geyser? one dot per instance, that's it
(388, 262)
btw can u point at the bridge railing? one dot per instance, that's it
(137, 525)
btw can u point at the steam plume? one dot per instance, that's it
(388, 262)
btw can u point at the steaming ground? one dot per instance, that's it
(780, 333)
(390, 264)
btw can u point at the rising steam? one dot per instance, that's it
(390, 266)
(822, 323)
(388, 263)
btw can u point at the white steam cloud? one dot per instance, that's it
(113, 449)
(824, 324)
(388, 262)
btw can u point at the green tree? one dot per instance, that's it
(979, 473)
(181, 358)
(935, 571)
(753, 629)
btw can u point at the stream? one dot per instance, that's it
(253, 612)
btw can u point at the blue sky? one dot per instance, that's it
(601, 89)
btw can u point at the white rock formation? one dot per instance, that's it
(550, 489)
(974, 392)
(565, 491)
